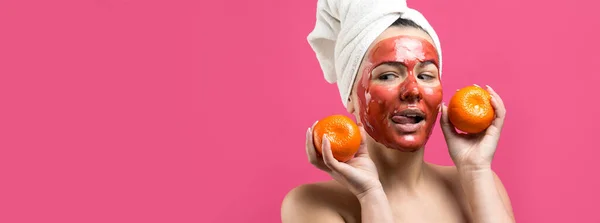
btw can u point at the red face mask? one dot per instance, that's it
(400, 92)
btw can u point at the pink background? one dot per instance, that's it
(184, 111)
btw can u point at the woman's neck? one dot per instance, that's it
(396, 169)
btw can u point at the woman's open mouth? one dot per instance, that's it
(409, 120)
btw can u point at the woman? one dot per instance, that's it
(396, 97)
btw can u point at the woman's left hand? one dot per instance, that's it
(474, 151)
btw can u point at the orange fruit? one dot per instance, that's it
(470, 109)
(342, 133)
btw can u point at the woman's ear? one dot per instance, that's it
(350, 106)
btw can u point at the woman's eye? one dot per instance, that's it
(425, 77)
(385, 77)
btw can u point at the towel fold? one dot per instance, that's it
(345, 29)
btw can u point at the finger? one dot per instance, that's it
(313, 125)
(328, 158)
(312, 142)
(496, 127)
(500, 111)
(311, 152)
(447, 127)
(497, 102)
(362, 150)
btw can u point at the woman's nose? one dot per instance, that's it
(410, 90)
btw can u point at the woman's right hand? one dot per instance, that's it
(358, 174)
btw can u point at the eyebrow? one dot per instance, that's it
(422, 64)
(427, 62)
(394, 63)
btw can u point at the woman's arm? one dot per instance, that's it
(375, 207)
(486, 195)
(473, 155)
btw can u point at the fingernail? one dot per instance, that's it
(489, 87)
(476, 85)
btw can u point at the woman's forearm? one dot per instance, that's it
(375, 207)
(482, 193)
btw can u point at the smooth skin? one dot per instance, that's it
(384, 185)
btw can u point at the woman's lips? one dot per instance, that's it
(408, 120)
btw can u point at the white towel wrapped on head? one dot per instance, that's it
(345, 29)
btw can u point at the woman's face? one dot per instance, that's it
(398, 90)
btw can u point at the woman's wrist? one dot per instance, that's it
(469, 169)
(373, 195)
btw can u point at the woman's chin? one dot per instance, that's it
(399, 141)
(407, 143)
(408, 149)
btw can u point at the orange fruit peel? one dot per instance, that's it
(470, 109)
(342, 133)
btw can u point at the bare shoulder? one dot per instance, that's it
(317, 202)
(446, 174)
(446, 171)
